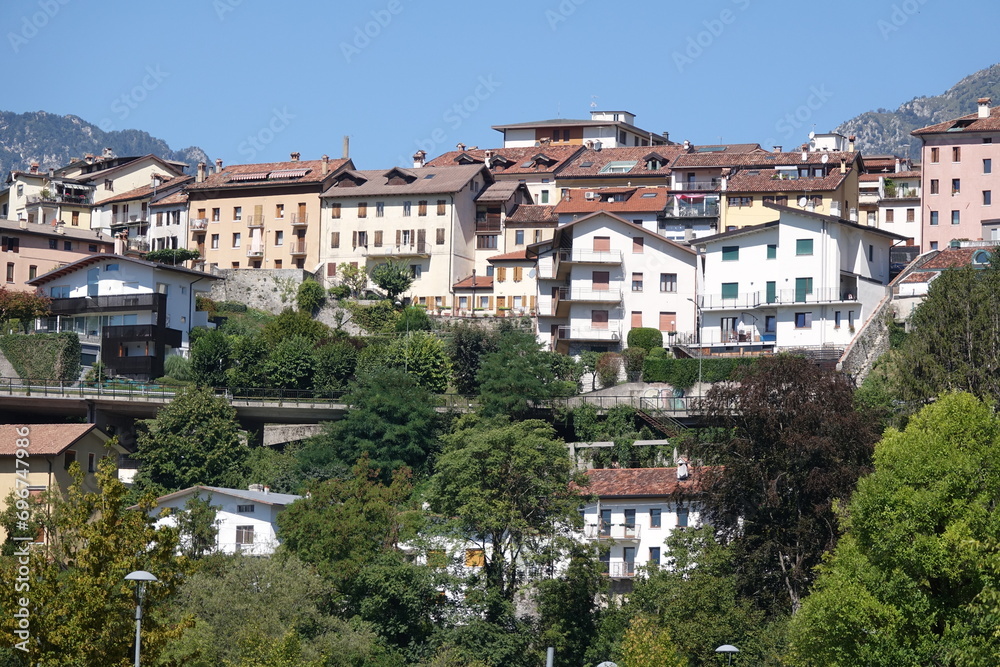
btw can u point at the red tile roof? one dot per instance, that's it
(645, 482)
(951, 258)
(44, 439)
(598, 160)
(903, 174)
(397, 181)
(970, 123)
(763, 159)
(518, 256)
(146, 191)
(766, 180)
(477, 282)
(626, 200)
(515, 158)
(533, 214)
(230, 177)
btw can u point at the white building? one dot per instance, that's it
(892, 202)
(803, 280)
(152, 217)
(246, 519)
(607, 129)
(128, 312)
(602, 275)
(636, 510)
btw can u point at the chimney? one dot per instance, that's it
(218, 165)
(984, 107)
(682, 469)
(589, 143)
(200, 178)
(89, 157)
(777, 149)
(108, 153)
(33, 169)
(347, 148)
(326, 164)
(805, 156)
(267, 489)
(687, 145)
(850, 143)
(666, 137)
(843, 165)
(899, 166)
(52, 173)
(296, 156)
(460, 146)
(418, 159)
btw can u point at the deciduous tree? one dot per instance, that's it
(393, 277)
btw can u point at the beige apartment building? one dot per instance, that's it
(30, 249)
(264, 215)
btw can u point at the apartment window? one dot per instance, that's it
(956, 217)
(277, 263)
(987, 140)
(538, 235)
(987, 166)
(636, 282)
(682, 517)
(519, 237)
(69, 459)
(378, 238)
(440, 236)
(935, 186)
(486, 242)
(441, 205)
(598, 319)
(112, 267)
(362, 209)
(934, 245)
(804, 247)
(772, 251)
(911, 214)
(75, 219)
(655, 517)
(236, 239)
(32, 272)
(67, 245)
(636, 319)
(739, 201)
(803, 320)
(406, 209)
(850, 318)
(803, 288)
(237, 213)
(53, 244)
(216, 214)
(602, 244)
(836, 319)
(956, 154)
(334, 239)
(215, 241)
(934, 218)
(871, 252)
(935, 154)
(91, 463)
(279, 211)
(474, 558)
(771, 291)
(668, 282)
(416, 270)
(730, 290)
(59, 292)
(654, 555)
(544, 199)
(335, 211)
(245, 509)
(380, 209)
(109, 185)
(362, 240)
(518, 274)
(638, 245)
(600, 281)
(730, 253)
(244, 536)
(422, 207)
(770, 322)
(93, 247)
(956, 186)
(10, 272)
(279, 237)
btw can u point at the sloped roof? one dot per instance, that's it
(516, 157)
(634, 200)
(590, 162)
(263, 174)
(763, 159)
(475, 282)
(243, 494)
(146, 191)
(631, 227)
(533, 214)
(766, 180)
(645, 482)
(68, 232)
(93, 259)
(969, 123)
(46, 439)
(752, 229)
(500, 191)
(517, 256)
(428, 181)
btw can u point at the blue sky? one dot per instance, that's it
(251, 81)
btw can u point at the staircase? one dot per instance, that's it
(651, 413)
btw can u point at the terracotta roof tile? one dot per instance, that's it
(517, 256)
(512, 159)
(951, 258)
(626, 200)
(424, 180)
(146, 191)
(68, 232)
(500, 191)
(761, 158)
(645, 482)
(590, 162)
(969, 123)
(477, 282)
(44, 439)
(765, 180)
(533, 214)
(230, 176)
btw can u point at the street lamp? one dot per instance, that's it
(701, 350)
(141, 577)
(729, 649)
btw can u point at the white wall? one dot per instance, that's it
(228, 518)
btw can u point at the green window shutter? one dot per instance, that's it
(804, 247)
(803, 287)
(772, 251)
(772, 292)
(730, 290)
(730, 253)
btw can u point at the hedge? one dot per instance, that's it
(43, 356)
(683, 373)
(646, 337)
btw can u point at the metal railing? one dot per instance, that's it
(297, 248)
(581, 333)
(695, 186)
(705, 211)
(627, 532)
(94, 304)
(779, 297)
(300, 219)
(581, 256)
(592, 295)
(254, 221)
(402, 250)
(621, 569)
(198, 224)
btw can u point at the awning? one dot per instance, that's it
(250, 176)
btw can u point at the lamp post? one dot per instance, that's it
(728, 649)
(141, 577)
(701, 351)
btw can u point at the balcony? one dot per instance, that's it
(581, 295)
(138, 244)
(255, 252)
(695, 186)
(107, 304)
(144, 368)
(131, 333)
(581, 256)
(255, 221)
(199, 224)
(403, 250)
(620, 569)
(297, 248)
(617, 532)
(692, 211)
(589, 334)
(901, 193)
(300, 219)
(60, 199)
(785, 297)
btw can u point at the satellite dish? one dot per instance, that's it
(607, 663)
(825, 158)
(531, 273)
(803, 201)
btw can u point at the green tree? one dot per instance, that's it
(393, 277)
(469, 344)
(648, 644)
(334, 365)
(414, 318)
(569, 607)
(198, 527)
(171, 256)
(609, 369)
(423, 357)
(81, 608)
(507, 485)
(310, 296)
(22, 306)
(290, 364)
(518, 374)
(354, 277)
(918, 557)
(211, 358)
(246, 354)
(193, 440)
(295, 323)
(795, 445)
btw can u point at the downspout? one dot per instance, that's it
(451, 258)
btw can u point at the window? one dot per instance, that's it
(237, 237)
(934, 245)
(279, 237)
(67, 245)
(244, 536)
(598, 319)
(277, 263)
(335, 211)
(245, 509)
(75, 219)
(956, 154)
(422, 207)
(475, 558)
(987, 197)
(803, 288)
(836, 319)
(279, 211)
(655, 517)
(780, 200)
(406, 209)
(638, 245)
(416, 270)
(59, 292)
(109, 184)
(730, 253)
(871, 252)
(682, 517)
(440, 236)
(378, 238)
(69, 458)
(636, 319)
(771, 291)
(739, 201)
(934, 218)
(518, 274)
(911, 214)
(216, 214)
(636, 282)
(668, 321)
(654, 555)
(519, 237)
(890, 215)
(730, 290)
(956, 217)
(334, 239)
(32, 272)
(600, 281)
(379, 209)
(544, 199)
(850, 318)
(668, 282)
(770, 321)
(441, 205)
(602, 244)
(237, 213)
(10, 272)
(53, 244)
(362, 240)
(803, 320)
(935, 154)
(935, 186)
(804, 247)
(538, 235)
(215, 241)
(362, 209)
(987, 166)
(956, 186)
(486, 242)
(772, 251)
(91, 463)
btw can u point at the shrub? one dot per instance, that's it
(609, 367)
(414, 319)
(376, 318)
(340, 292)
(645, 337)
(633, 359)
(656, 353)
(683, 373)
(43, 356)
(177, 367)
(310, 296)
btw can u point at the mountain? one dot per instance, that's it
(888, 132)
(52, 140)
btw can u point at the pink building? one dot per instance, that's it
(958, 178)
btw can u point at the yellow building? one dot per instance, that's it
(264, 215)
(51, 448)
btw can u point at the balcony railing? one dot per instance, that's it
(592, 295)
(297, 248)
(619, 532)
(620, 569)
(254, 221)
(198, 224)
(59, 199)
(96, 304)
(581, 256)
(255, 252)
(589, 334)
(403, 250)
(138, 244)
(142, 332)
(778, 298)
(299, 219)
(695, 186)
(692, 211)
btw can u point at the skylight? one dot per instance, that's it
(618, 167)
(429, 176)
(710, 149)
(648, 195)
(584, 165)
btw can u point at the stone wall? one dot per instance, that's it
(870, 343)
(270, 290)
